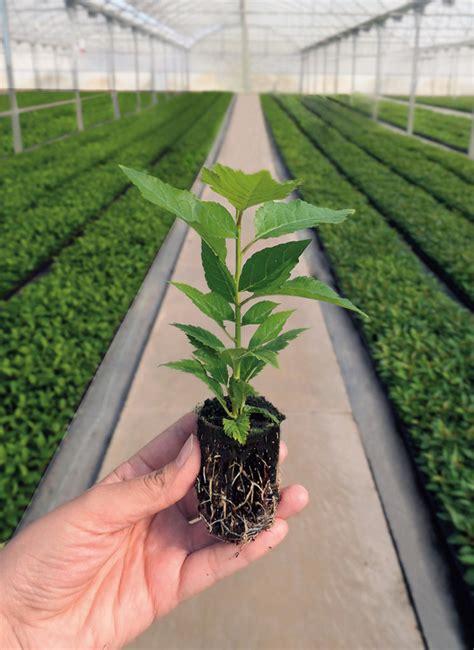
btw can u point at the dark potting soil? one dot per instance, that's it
(238, 485)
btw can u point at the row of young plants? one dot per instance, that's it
(38, 126)
(67, 159)
(56, 160)
(394, 150)
(48, 124)
(464, 103)
(444, 239)
(26, 98)
(456, 163)
(421, 341)
(451, 130)
(56, 331)
(30, 240)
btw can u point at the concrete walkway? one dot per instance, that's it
(335, 582)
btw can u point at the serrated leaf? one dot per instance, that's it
(305, 287)
(211, 304)
(267, 356)
(280, 342)
(238, 428)
(250, 366)
(202, 335)
(259, 312)
(271, 266)
(216, 367)
(195, 368)
(269, 329)
(276, 219)
(239, 390)
(244, 190)
(218, 276)
(211, 220)
(262, 411)
(231, 355)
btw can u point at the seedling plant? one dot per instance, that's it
(238, 429)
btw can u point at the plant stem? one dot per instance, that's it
(238, 269)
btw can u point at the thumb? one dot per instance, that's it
(127, 502)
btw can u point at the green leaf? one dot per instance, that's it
(238, 428)
(272, 266)
(239, 390)
(267, 356)
(231, 355)
(280, 342)
(262, 411)
(211, 220)
(269, 329)
(195, 368)
(244, 190)
(305, 287)
(250, 366)
(213, 365)
(259, 312)
(202, 335)
(218, 276)
(276, 219)
(211, 304)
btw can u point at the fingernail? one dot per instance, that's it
(185, 452)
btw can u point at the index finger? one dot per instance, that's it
(158, 452)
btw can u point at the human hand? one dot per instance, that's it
(97, 571)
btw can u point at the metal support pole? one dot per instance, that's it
(154, 97)
(315, 71)
(137, 70)
(452, 69)
(336, 72)
(111, 66)
(72, 13)
(414, 73)
(354, 62)
(182, 70)
(173, 69)
(165, 68)
(471, 139)
(308, 76)
(188, 72)
(56, 66)
(301, 73)
(34, 63)
(325, 67)
(378, 73)
(15, 117)
(179, 78)
(244, 46)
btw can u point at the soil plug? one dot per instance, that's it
(239, 431)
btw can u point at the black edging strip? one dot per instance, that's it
(431, 264)
(419, 541)
(77, 461)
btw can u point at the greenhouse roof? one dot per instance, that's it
(284, 26)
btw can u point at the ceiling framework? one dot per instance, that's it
(225, 38)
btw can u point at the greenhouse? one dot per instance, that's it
(222, 223)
